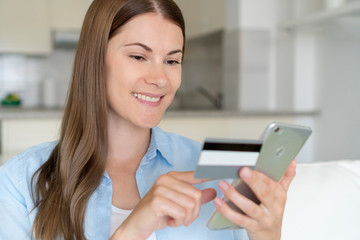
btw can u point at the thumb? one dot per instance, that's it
(208, 195)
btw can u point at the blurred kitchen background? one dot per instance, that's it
(247, 63)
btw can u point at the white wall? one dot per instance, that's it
(338, 59)
(249, 55)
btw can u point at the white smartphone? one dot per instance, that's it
(281, 143)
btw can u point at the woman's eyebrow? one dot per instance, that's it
(147, 48)
(174, 52)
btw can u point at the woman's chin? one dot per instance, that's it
(149, 121)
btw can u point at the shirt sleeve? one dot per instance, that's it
(14, 219)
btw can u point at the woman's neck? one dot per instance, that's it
(127, 144)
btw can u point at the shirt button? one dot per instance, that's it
(140, 170)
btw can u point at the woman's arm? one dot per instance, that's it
(262, 221)
(172, 201)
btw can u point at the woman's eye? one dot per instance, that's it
(172, 62)
(137, 58)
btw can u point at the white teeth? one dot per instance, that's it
(145, 98)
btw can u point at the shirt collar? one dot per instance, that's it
(160, 143)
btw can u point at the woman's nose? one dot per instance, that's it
(157, 76)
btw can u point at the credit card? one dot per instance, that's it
(223, 158)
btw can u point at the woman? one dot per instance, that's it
(113, 173)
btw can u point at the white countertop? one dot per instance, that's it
(24, 112)
(31, 113)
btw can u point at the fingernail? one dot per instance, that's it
(246, 173)
(224, 185)
(218, 202)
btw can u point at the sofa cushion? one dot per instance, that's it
(324, 202)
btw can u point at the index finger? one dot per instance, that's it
(188, 177)
(289, 175)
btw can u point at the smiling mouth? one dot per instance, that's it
(145, 97)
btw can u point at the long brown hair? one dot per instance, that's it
(63, 185)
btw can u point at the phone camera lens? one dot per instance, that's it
(278, 130)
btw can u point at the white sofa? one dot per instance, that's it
(324, 202)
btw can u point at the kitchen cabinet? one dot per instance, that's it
(202, 16)
(310, 13)
(24, 27)
(20, 134)
(68, 15)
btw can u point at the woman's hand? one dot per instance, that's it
(262, 221)
(172, 201)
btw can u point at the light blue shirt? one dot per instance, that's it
(167, 152)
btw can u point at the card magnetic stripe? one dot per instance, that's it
(240, 147)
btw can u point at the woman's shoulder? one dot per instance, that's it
(26, 163)
(15, 189)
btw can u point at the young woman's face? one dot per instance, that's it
(143, 69)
